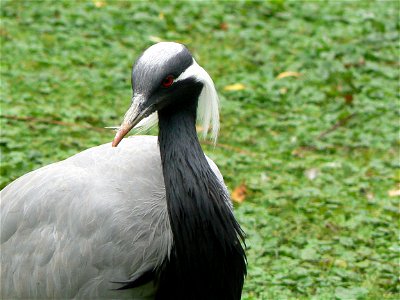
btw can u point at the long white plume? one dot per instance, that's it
(208, 106)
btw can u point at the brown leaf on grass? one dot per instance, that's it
(288, 74)
(394, 192)
(348, 98)
(239, 193)
(235, 87)
(99, 4)
(223, 26)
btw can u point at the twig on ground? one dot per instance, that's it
(231, 148)
(50, 121)
(335, 126)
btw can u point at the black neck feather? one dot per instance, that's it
(207, 260)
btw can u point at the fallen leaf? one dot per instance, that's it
(288, 74)
(348, 98)
(239, 193)
(394, 193)
(340, 263)
(223, 26)
(99, 4)
(155, 39)
(235, 87)
(283, 91)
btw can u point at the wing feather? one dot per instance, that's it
(72, 228)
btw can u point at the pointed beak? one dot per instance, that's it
(122, 131)
(132, 117)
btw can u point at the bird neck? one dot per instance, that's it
(207, 260)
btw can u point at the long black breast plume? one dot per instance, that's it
(207, 259)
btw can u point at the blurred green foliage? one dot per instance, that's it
(318, 152)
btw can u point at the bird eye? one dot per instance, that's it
(167, 81)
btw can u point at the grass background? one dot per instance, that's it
(317, 152)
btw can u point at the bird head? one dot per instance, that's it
(161, 77)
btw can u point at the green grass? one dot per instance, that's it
(320, 220)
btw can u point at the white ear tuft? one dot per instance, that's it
(208, 110)
(208, 106)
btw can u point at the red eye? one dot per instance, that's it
(167, 81)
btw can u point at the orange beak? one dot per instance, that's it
(132, 117)
(122, 131)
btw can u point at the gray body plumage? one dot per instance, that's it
(76, 226)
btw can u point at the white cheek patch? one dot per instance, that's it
(208, 106)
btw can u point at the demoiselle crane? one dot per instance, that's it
(149, 219)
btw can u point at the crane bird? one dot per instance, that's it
(150, 219)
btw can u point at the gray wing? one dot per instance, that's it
(72, 228)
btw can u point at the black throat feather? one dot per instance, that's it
(207, 260)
